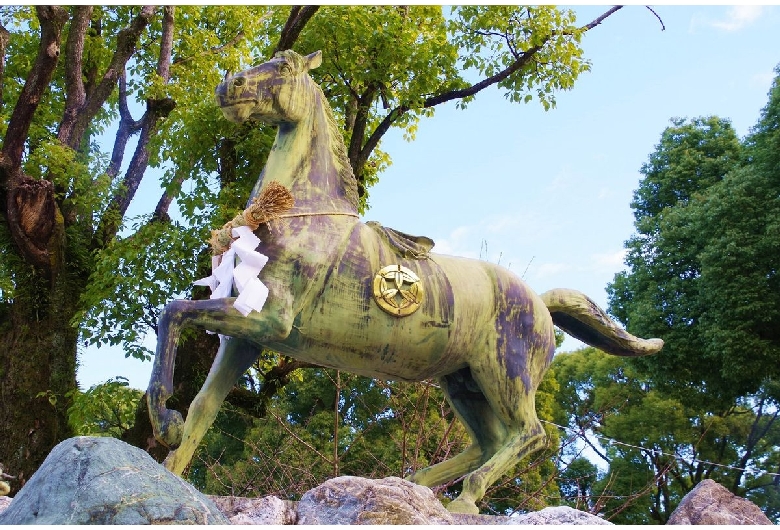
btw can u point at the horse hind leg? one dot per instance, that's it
(235, 356)
(518, 444)
(484, 428)
(514, 407)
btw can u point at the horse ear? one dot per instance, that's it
(313, 60)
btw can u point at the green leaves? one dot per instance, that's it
(107, 409)
(690, 157)
(704, 259)
(132, 279)
(703, 276)
(541, 40)
(660, 297)
(659, 446)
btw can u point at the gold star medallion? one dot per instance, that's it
(398, 290)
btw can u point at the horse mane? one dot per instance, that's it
(346, 174)
(340, 150)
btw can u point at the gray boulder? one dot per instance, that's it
(262, 510)
(4, 503)
(711, 504)
(562, 515)
(355, 500)
(105, 481)
(388, 501)
(89, 480)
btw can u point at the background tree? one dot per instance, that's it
(107, 409)
(657, 447)
(325, 424)
(659, 295)
(576, 484)
(64, 196)
(69, 251)
(703, 267)
(703, 275)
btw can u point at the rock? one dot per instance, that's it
(263, 510)
(89, 480)
(712, 504)
(559, 515)
(105, 481)
(469, 519)
(4, 503)
(355, 500)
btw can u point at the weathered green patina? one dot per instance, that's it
(479, 330)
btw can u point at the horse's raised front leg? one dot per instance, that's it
(235, 356)
(166, 424)
(217, 315)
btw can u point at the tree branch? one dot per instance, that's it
(359, 125)
(299, 17)
(52, 20)
(5, 37)
(166, 44)
(656, 16)
(126, 43)
(127, 127)
(75, 94)
(28, 204)
(598, 20)
(432, 101)
(522, 60)
(155, 109)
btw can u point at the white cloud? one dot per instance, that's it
(738, 17)
(458, 243)
(608, 262)
(762, 80)
(605, 193)
(496, 237)
(547, 270)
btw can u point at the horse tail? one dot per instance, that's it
(580, 317)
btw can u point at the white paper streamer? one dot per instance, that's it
(252, 293)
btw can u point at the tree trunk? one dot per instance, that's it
(37, 371)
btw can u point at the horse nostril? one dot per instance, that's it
(239, 82)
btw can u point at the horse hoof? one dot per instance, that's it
(172, 464)
(418, 478)
(463, 506)
(172, 429)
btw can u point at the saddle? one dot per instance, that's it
(407, 246)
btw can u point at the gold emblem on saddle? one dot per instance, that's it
(398, 290)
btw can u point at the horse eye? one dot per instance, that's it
(285, 69)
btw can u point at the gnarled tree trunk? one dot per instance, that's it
(37, 373)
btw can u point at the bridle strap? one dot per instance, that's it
(314, 214)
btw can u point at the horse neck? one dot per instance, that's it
(303, 159)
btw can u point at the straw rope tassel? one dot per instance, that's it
(272, 201)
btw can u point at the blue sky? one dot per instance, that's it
(548, 194)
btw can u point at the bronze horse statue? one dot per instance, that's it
(372, 301)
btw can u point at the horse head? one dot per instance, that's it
(268, 92)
